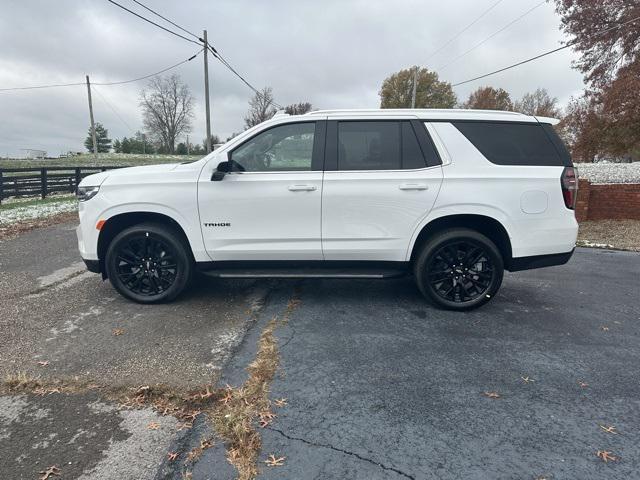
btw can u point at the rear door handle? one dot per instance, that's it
(413, 186)
(302, 188)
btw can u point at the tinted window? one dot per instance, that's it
(378, 145)
(411, 154)
(369, 146)
(283, 148)
(512, 143)
(558, 143)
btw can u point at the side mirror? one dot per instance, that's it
(221, 170)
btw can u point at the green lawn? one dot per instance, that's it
(15, 203)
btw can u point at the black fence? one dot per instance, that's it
(40, 182)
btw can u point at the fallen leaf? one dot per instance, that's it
(205, 443)
(42, 391)
(153, 426)
(583, 384)
(52, 471)
(527, 379)
(185, 426)
(606, 456)
(609, 429)
(604, 328)
(281, 402)
(266, 418)
(43, 363)
(172, 456)
(228, 396)
(272, 461)
(491, 394)
(207, 394)
(118, 331)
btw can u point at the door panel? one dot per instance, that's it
(372, 215)
(271, 216)
(269, 206)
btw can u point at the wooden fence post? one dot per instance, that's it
(43, 182)
(78, 178)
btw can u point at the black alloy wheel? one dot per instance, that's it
(148, 263)
(459, 269)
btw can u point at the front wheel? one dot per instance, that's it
(459, 269)
(148, 263)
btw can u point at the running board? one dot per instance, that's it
(275, 273)
(246, 270)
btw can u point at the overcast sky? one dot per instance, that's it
(332, 53)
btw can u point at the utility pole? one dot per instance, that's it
(206, 90)
(93, 127)
(415, 86)
(188, 149)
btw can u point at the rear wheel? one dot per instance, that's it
(149, 263)
(459, 269)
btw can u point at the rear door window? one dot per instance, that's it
(379, 145)
(515, 143)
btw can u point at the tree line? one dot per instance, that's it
(603, 121)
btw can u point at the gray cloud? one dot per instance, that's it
(333, 53)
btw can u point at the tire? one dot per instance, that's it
(459, 269)
(165, 264)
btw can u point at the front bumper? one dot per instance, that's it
(92, 265)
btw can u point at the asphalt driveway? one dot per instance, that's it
(379, 385)
(60, 322)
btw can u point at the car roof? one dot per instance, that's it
(431, 114)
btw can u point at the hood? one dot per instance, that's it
(98, 178)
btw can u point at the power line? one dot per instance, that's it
(113, 109)
(167, 20)
(215, 53)
(103, 83)
(244, 80)
(568, 45)
(457, 35)
(151, 74)
(55, 85)
(153, 23)
(492, 35)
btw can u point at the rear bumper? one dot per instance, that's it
(539, 261)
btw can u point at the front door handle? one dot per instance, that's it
(414, 186)
(302, 188)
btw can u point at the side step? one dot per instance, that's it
(338, 271)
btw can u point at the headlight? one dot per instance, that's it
(86, 193)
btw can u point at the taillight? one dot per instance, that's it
(569, 183)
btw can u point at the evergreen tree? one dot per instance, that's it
(102, 139)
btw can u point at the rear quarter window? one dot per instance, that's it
(516, 143)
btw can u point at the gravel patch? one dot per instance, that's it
(609, 172)
(619, 234)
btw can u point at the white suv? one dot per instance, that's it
(453, 197)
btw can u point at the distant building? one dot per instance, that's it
(31, 153)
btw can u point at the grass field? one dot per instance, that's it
(104, 159)
(18, 210)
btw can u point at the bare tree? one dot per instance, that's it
(167, 110)
(538, 103)
(260, 108)
(298, 108)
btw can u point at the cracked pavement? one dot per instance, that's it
(55, 312)
(380, 385)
